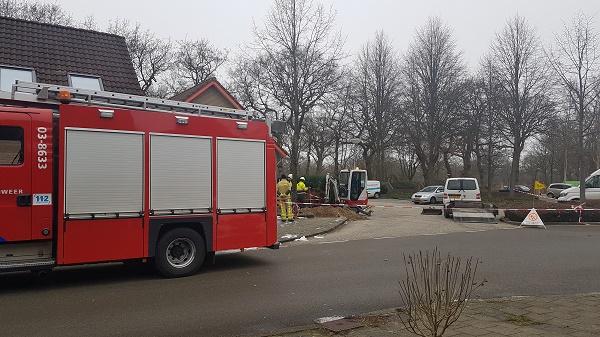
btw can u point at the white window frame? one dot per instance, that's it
(70, 75)
(4, 66)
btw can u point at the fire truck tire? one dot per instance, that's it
(180, 252)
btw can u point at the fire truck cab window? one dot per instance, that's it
(8, 76)
(11, 146)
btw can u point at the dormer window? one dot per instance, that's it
(89, 82)
(9, 75)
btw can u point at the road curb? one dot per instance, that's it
(310, 235)
(288, 330)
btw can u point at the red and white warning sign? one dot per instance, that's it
(533, 220)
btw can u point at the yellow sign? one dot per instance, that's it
(538, 185)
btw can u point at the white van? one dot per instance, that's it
(373, 189)
(592, 189)
(461, 189)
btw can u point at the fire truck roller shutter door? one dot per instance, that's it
(104, 172)
(241, 174)
(104, 196)
(242, 221)
(180, 173)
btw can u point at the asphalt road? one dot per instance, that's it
(261, 291)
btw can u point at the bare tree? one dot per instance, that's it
(150, 55)
(249, 84)
(576, 62)
(377, 85)
(432, 75)
(407, 160)
(35, 11)
(471, 117)
(435, 291)
(89, 22)
(490, 142)
(339, 108)
(194, 62)
(522, 74)
(299, 55)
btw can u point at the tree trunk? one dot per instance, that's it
(514, 169)
(580, 158)
(294, 157)
(336, 157)
(308, 153)
(427, 174)
(447, 164)
(466, 164)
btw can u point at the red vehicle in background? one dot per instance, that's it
(88, 177)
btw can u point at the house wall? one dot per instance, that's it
(212, 97)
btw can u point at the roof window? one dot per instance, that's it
(89, 82)
(9, 76)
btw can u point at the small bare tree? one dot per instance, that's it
(194, 62)
(150, 55)
(435, 291)
(34, 11)
(576, 62)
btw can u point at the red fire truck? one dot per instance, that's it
(91, 176)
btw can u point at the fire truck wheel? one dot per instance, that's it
(180, 252)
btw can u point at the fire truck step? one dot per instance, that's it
(21, 265)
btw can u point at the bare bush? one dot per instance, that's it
(435, 291)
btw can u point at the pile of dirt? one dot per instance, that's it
(331, 212)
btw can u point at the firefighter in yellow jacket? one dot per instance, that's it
(284, 189)
(301, 190)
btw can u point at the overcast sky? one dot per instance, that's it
(228, 23)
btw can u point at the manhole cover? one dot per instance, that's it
(343, 324)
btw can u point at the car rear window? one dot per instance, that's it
(428, 189)
(461, 184)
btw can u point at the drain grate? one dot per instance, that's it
(343, 324)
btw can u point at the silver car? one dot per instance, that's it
(555, 189)
(429, 195)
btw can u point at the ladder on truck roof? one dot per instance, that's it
(48, 93)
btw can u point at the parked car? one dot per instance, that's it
(517, 188)
(429, 195)
(554, 189)
(373, 189)
(592, 189)
(461, 189)
(522, 188)
(465, 190)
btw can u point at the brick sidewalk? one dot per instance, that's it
(559, 315)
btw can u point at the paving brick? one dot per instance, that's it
(574, 315)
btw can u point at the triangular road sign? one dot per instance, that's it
(533, 220)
